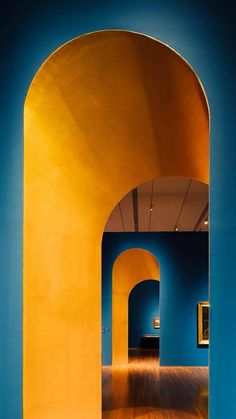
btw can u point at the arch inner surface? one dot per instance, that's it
(130, 268)
(105, 113)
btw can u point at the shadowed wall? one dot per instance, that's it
(143, 306)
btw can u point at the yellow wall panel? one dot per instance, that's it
(105, 113)
(130, 268)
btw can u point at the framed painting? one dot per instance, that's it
(203, 324)
(156, 322)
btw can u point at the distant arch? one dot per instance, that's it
(130, 268)
(143, 307)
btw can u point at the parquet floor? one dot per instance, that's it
(143, 389)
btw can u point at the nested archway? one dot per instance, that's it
(144, 317)
(106, 112)
(130, 268)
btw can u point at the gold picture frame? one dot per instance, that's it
(203, 323)
(156, 322)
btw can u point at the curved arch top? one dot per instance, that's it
(109, 91)
(105, 113)
(133, 266)
(140, 283)
(130, 268)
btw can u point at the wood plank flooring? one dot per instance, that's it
(143, 389)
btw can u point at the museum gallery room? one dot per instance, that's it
(117, 291)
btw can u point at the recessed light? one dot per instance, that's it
(206, 222)
(176, 229)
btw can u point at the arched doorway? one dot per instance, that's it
(144, 318)
(130, 268)
(111, 109)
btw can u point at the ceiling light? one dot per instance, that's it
(150, 209)
(206, 222)
(176, 229)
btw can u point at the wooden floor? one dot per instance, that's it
(143, 389)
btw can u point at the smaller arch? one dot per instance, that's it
(143, 307)
(131, 267)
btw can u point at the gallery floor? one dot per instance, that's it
(143, 389)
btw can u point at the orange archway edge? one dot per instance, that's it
(130, 268)
(105, 113)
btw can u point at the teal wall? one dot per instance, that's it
(183, 261)
(204, 33)
(143, 306)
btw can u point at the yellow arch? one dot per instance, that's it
(106, 112)
(130, 268)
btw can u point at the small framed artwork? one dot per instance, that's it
(156, 322)
(203, 324)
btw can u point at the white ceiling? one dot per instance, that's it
(177, 203)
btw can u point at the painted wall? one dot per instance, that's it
(183, 260)
(143, 306)
(203, 32)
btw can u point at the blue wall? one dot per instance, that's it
(204, 33)
(143, 306)
(183, 260)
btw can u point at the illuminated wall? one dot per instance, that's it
(84, 150)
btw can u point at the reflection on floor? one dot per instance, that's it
(143, 389)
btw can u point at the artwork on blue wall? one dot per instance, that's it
(203, 324)
(156, 322)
